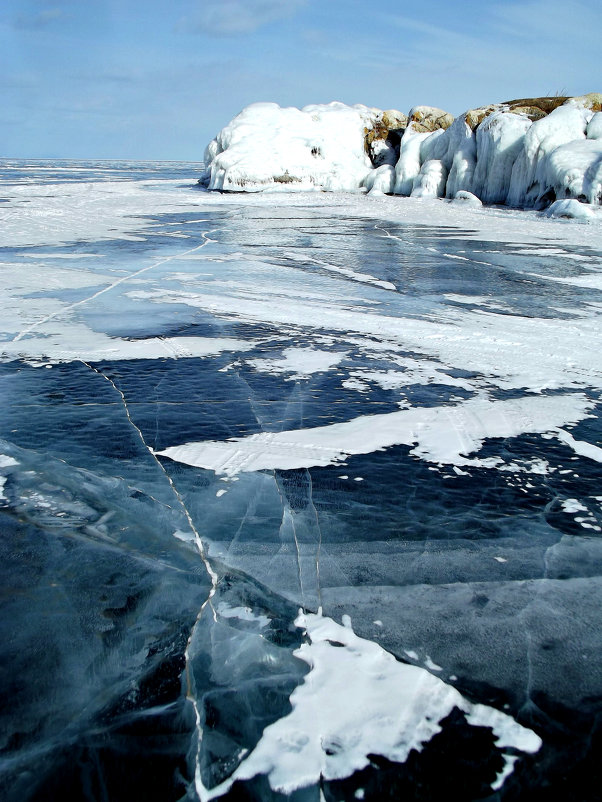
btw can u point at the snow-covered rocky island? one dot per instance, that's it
(538, 153)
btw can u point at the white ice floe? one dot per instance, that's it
(446, 435)
(299, 362)
(357, 700)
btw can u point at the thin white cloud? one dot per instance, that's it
(240, 17)
(40, 20)
(550, 20)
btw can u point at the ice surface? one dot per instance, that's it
(437, 369)
(357, 700)
(444, 435)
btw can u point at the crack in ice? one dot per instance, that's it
(112, 286)
(201, 549)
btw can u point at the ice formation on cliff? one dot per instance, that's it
(511, 153)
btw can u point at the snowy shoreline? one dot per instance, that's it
(541, 154)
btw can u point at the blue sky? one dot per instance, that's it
(157, 79)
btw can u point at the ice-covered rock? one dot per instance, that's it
(430, 182)
(531, 181)
(269, 147)
(594, 127)
(526, 153)
(383, 137)
(467, 197)
(499, 140)
(408, 165)
(460, 158)
(571, 209)
(425, 119)
(381, 180)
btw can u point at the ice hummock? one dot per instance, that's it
(512, 155)
(268, 147)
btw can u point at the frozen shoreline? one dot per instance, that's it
(543, 153)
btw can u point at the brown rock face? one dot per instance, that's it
(394, 120)
(535, 108)
(390, 120)
(425, 119)
(543, 104)
(532, 112)
(474, 117)
(591, 101)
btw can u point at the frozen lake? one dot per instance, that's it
(222, 414)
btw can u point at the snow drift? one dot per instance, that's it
(526, 153)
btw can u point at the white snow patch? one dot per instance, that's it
(186, 537)
(580, 446)
(243, 614)
(572, 505)
(396, 708)
(443, 434)
(300, 362)
(509, 763)
(511, 350)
